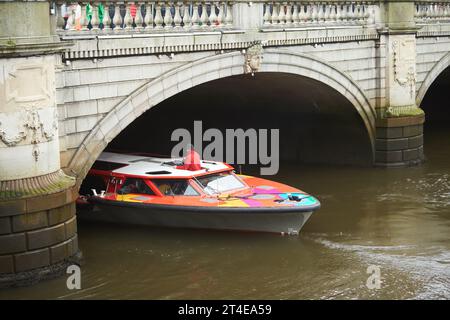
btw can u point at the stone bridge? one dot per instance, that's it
(76, 74)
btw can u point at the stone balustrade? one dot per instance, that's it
(163, 16)
(432, 12)
(146, 16)
(298, 13)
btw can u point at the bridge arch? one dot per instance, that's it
(437, 69)
(209, 69)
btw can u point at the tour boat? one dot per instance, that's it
(143, 190)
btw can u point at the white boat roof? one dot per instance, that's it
(155, 167)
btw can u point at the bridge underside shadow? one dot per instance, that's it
(437, 124)
(435, 103)
(317, 124)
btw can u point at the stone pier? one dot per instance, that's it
(38, 226)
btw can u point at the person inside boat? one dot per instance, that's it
(165, 189)
(135, 186)
(175, 188)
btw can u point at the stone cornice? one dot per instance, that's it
(11, 48)
(94, 46)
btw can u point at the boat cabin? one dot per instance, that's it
(122, 174)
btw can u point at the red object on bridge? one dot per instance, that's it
(133, 10)
(191, 161)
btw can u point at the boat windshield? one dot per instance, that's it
(219, 182)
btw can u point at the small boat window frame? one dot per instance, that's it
(189, 181)
(118, 186)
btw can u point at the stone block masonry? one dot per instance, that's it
(37, 242)
(399, 141)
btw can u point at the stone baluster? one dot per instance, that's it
(320, 14)
(266, 17)
(425, 11)
(433, 11)
(84, 21)
(309, 13)
(220, 16)
(177, 16)
(439, 11)
(281, 14)
(127, 19)
(360, 13)
(344, 17)
(195, 16)
(70, 23)
(117, 19)
(418, 15)
(350, 13)
(326, 12)
(332, 16)
(274, 17)
(356, 12)
(106, 23)
(95, 19)
(158, 16)
(212, 16)
(367, 15)
(288, 14)
(228, 14)
(186, 19)
(301, 13)
(295, 14)
(314, 13)
(148, 19)
(168, 16)
(338, 18)
(204, 16)
(139, 19)
(59, 17)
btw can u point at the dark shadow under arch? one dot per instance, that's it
(317, 124)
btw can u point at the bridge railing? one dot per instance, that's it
(114, 16)
(299, 13)
(146, 16)
(434, 12)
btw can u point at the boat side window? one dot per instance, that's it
(175, 187)
(133, 185)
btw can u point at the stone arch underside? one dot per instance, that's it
(437, 69)
(205, 70)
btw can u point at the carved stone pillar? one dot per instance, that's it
(38, 228)
(399, 140)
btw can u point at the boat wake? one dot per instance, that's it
(428, 268)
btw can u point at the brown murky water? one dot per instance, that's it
(398, 220)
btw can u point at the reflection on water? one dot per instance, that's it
(397, 219)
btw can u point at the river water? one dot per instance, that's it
(397, 220)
